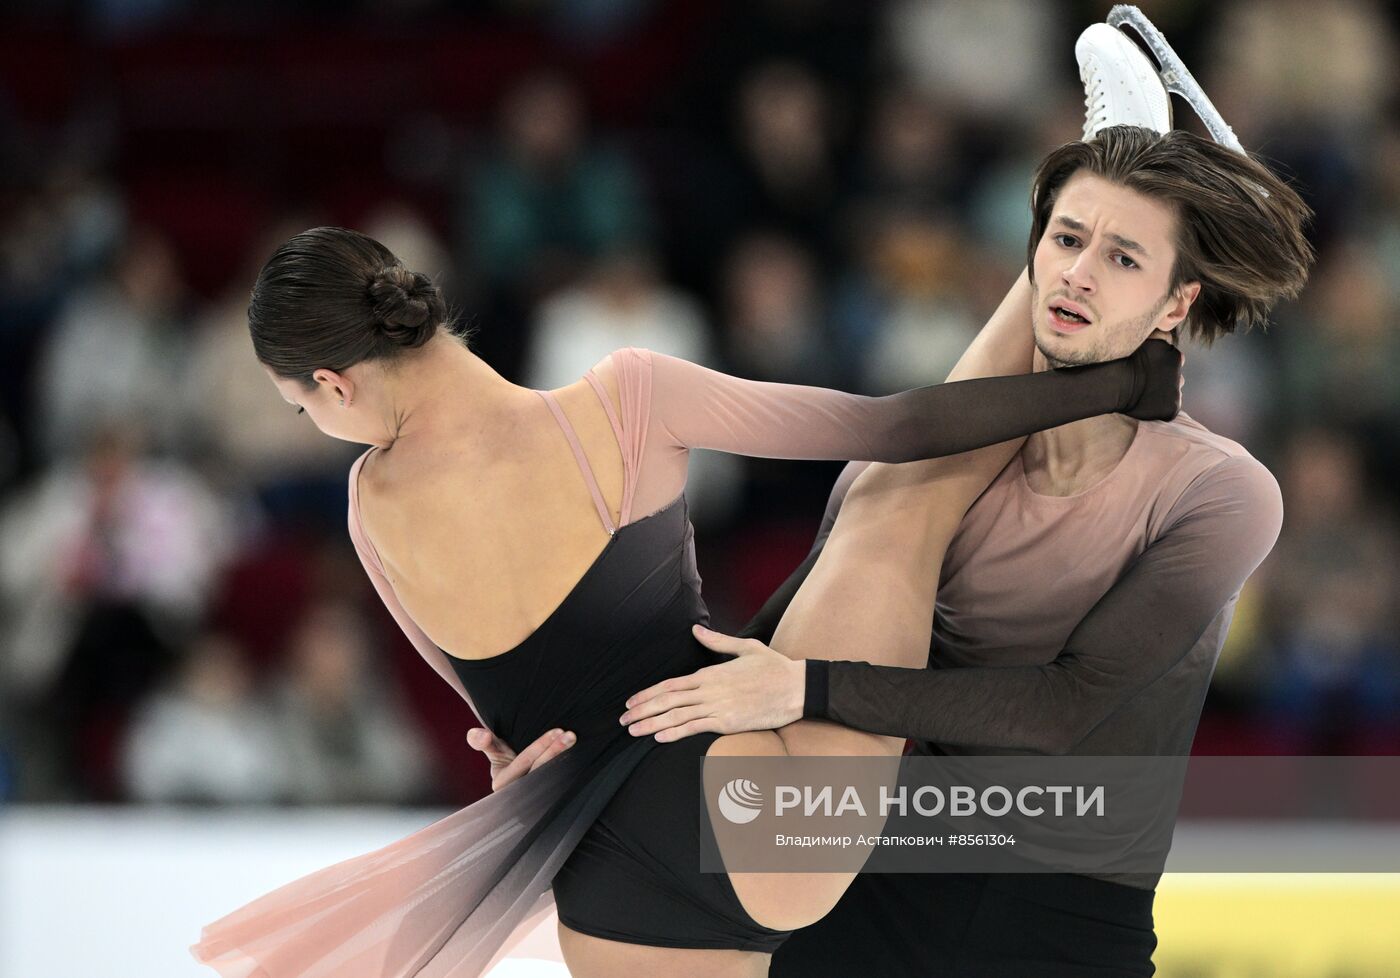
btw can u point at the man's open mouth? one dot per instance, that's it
(1068, 314)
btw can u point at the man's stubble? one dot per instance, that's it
(1103, 347)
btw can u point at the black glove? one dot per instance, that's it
(1156, 393)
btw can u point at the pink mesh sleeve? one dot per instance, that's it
(670, 406)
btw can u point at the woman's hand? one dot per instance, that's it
(758, 690)
(1158, 380)
(1158, 334)
(506, 765)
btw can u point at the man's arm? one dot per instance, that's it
(1146, 623)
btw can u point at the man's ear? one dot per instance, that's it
(1178, 305)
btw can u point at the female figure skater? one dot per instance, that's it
(535, 547)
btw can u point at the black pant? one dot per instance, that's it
(976, 926)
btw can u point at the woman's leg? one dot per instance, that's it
(871, 596)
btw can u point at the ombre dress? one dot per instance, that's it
(611, 827)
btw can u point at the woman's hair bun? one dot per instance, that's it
(332, 297)
(407, 305)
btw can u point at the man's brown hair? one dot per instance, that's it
(1239, 227)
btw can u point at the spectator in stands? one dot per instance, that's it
(621, 301)
(1334, 589)
(207, 737)
(104, 563)
(342, 729)
(902, 314)
(774, 315)
(117, 349)
(544, 202)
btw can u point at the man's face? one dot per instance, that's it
(1107, 255)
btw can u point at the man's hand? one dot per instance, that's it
(506, 765)
(759, 690)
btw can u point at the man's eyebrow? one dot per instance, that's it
(1127, 244)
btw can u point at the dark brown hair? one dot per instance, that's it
(331, 297)
(1239, 227)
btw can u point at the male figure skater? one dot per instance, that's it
(1084, 600)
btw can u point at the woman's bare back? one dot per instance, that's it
(483, 537)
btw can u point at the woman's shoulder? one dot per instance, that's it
(357, 472)
(622, 370)
(381, 474)
(394, 493)
(623, 359)
(368, 471)
(366, 485)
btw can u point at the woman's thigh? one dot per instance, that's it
(635, 880)
(787, 901)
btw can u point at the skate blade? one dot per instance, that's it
(1176, 77)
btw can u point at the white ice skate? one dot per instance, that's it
(1121, 86)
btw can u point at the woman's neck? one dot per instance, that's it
(445, 388)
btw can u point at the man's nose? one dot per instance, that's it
(1079, 274)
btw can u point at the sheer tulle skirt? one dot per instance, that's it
(445, 902)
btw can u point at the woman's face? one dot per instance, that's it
(331, 404)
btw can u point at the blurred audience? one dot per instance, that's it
(1342, 351)
(774, 324)
(116, 349)
(621, 301)
(544, 202)
(993, 58)
(208, 737)
(52, 237)
(344, 735)
(787, 177)
(1334, 589)
(116, 527)
(903, 314)
(105, 564)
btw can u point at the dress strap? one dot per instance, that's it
(630, 448)
(602, 393)
(583, 465)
